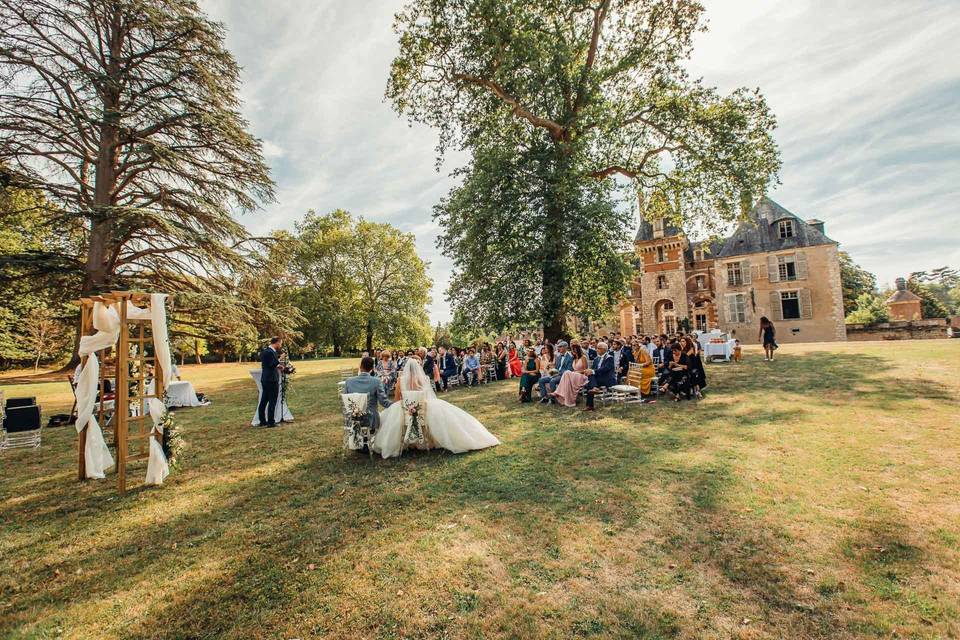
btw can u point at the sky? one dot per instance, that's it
(866, 94)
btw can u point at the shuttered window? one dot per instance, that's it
(734, 274)
(785, 229)
(736, 308)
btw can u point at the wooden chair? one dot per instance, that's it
(346, 372)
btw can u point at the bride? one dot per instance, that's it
(447, 427)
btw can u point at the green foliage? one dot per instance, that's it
(125, 116)
(354, 277)
(36, 295)
(855, 282)
(939, 290)
(868, 309)
(552, 100)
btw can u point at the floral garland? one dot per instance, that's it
(286, 370)
(173, 443)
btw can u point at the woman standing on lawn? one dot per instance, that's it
(767, 336)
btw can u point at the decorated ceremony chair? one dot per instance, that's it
(357, 432)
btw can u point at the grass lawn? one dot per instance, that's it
(815, 497)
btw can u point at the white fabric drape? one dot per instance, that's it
(157, 465)
(106, 321)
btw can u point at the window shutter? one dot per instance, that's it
(776, 307)
(806, 304)
(801, 260)
(745, 270)
(773, 269)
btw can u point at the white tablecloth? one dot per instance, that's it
(719, 350)
(282, 414)
(180, 393)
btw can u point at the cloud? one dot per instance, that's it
(867, 97)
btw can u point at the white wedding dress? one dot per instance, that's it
(449, 427)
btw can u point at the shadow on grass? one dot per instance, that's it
(259, 533)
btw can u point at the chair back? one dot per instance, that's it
(20, 402)
(356, 424)
(347, 373)
(355, 403)
(19, 419)
(635, 374)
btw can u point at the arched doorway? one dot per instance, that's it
(702, 314)
(666, 316)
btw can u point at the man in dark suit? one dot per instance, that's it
(622, 357)
(429, 363)
(269, 382)
(603, 373)
(662, 354)
(448, 366)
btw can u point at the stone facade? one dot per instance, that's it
(774, 265)
(933, 329)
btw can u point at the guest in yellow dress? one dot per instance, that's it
(647, 372)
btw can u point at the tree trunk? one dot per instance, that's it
(196, 351)
(36, 364)
(370, 335)
(553, 270)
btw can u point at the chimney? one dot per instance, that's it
(817, 224)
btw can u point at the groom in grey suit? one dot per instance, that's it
(373, 387)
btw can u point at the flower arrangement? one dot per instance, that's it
(173, 443)
(359, 433)
(414, 433)
(286, 370)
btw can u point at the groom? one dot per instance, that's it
(373, 387)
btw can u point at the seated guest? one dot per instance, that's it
(573, 380)
(662, 354)
(622, 357)
(529, 376)
(545, 359)
(486, 359)
(562, 363)
(603, 373)
(647, 371)
(592, 350)
(373, 387)
(448, 366)
(649, 345)
(698, 376)
(500, 356)
(386, 370)
(676, 380)
(514, 366)
(471, 367)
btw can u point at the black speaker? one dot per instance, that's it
(20, 402)
(20, 419)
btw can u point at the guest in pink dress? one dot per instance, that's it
(573, 381)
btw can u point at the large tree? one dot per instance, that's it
(125, 115)
(358, 274)
(600, 88)
(855, 281)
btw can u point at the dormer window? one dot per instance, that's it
(658, 228)
(698, 255)
(785, 229)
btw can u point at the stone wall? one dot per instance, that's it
(932, 329)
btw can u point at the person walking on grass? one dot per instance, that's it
(767, 336)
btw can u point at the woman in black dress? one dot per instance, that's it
(500, 356)
(698, 376)
(767, 336)
(678, 374)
